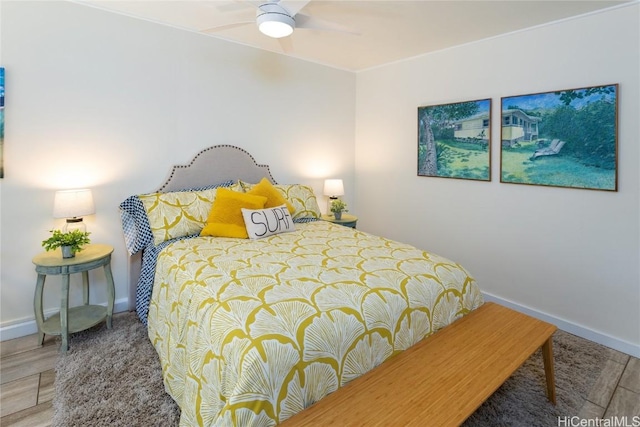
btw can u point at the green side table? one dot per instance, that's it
(74, 319)
(346, 220)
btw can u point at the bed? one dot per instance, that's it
(251, 331)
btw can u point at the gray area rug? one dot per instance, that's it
(112, 377)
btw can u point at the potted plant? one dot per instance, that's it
(70, 242)
(337, 207)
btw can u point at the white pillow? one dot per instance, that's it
(266, 222)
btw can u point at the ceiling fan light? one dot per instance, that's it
(275, 29)
(274, 21)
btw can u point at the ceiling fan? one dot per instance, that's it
(279, 18)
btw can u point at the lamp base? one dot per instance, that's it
(74, 224)
(331, 200)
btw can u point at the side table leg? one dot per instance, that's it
(64, 311)
(37, 307)
(111, 290)
(547, 356)
(85, 287)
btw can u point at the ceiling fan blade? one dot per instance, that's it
(293, 6)
(226, 27)
(312, 23)
(286, 44)
(238, 4)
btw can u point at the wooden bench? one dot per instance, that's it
(443, 379)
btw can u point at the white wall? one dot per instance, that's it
(571, 254)
(104, 101)
(99, 100)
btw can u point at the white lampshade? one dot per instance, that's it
(333, 187)
(73, 204)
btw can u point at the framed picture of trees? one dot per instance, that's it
(565, 138)
(454, 140)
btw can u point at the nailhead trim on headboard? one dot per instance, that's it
(177, 167)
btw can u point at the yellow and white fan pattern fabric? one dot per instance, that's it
(251, 332)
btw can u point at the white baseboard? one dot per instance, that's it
(28, 327)
(572, 328)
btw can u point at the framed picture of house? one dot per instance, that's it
(454, 140)
(565, 138)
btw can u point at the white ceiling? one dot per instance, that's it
(388, 30)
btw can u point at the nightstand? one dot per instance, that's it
(346, 220)
(74, 319)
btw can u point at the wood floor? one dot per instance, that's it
(27, 375)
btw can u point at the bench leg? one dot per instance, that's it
(547, 356)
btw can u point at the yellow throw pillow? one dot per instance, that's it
(225, 218)
(274, 197)
(301, 197)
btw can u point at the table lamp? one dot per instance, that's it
(333, 188)
(73, 205)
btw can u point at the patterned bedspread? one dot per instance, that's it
(251, 332)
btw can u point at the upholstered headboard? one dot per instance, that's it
(210, 166)
(216, 164)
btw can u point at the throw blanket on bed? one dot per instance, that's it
(251, 332)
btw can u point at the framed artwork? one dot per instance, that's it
(1, 122)
(565, 138)
(454, 140)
